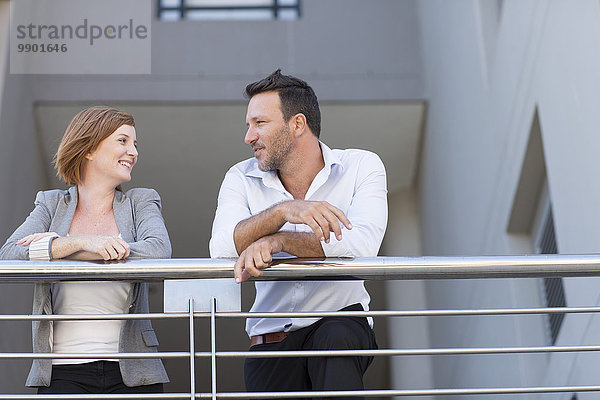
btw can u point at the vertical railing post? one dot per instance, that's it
(213, 346)
(192, 353)
(201, 295)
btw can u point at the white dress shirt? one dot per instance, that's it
(352, 180)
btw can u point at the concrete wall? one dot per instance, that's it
(489, 65)
(19, 174)
(349, 50)
(403, 239)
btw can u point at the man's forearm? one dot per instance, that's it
(320, 216)
(262, 224)
(259, 254)
(300, 244)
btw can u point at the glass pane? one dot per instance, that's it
(170, 15)
(170, 3)
(229, 14)
(228, 3)
(288, 14)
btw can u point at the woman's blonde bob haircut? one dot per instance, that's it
(83, 135)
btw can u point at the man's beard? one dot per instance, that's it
(279, 148)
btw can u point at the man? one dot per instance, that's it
(299, 197)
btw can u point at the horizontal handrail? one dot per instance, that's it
(163, 354)
(406, 352)
(313, 353)
(339, 393)
(409, 392)
(376, 268)
(301, 314)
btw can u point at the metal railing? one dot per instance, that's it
(380, 268)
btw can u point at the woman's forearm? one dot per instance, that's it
(89, 247)
(65, 246)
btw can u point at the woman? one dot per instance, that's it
(94, 219)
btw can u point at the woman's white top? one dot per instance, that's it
(95, 297)
(88, 336)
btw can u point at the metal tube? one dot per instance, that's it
(289, 395)
(404, 313)
(213, 347)
(311, 353)
(407, 352)
(414, 313)
(416, 392)
(379, 268)
(88, 317)
(192, 353)
(95, 396)
(173, 354)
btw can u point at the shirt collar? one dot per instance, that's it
(330, 157)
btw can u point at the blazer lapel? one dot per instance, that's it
(65, 209)
(124, 216)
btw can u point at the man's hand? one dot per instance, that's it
(256, 257)
(320, 216)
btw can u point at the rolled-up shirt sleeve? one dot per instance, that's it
(368, 213)
(232, 207)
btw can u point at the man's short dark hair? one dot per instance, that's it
(295, 96)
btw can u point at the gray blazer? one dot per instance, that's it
(139, 218)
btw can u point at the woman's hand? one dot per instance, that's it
(107, 247)
(34, 237)
(87, 247)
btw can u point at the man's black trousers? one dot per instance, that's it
(315, 373)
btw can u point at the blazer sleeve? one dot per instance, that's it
(152, 238)
(38, 221)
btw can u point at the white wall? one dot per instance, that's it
(483, 90)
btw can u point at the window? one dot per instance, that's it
(531, 215)
(553, 289)
(176, 10)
